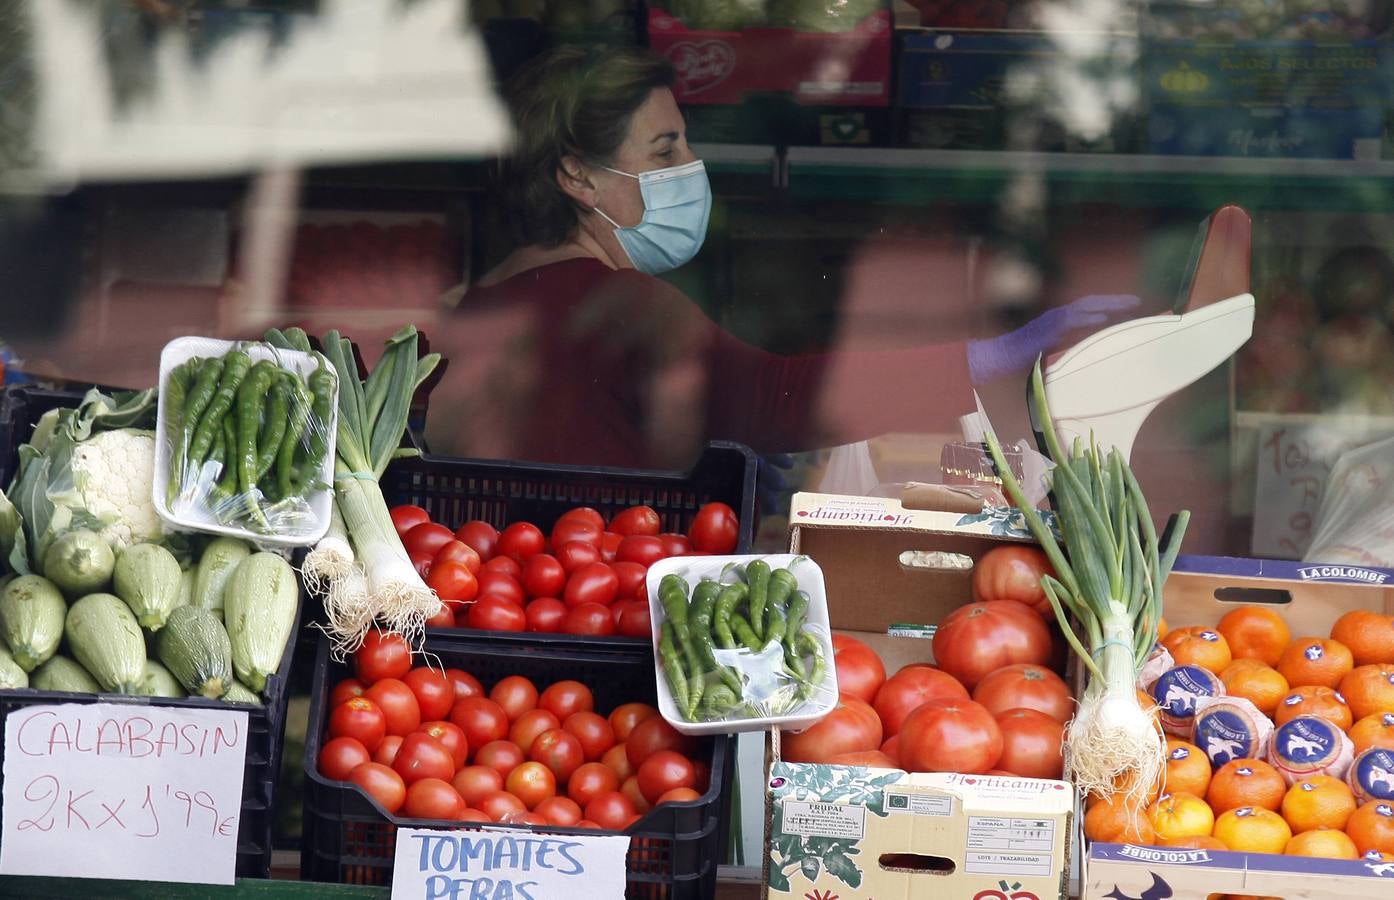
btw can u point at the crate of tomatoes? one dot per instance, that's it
(561, 552)
(507, 736)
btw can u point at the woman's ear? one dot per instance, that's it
(574, 180)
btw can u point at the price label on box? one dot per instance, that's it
(516, 865)
(106, 790)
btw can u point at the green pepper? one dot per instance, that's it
(757, 574)
(285, 455)
(704, 598)
(174, 397)
(226, 486)
(719, 701)
(251, 397)
(274, 424)
(726, 602)
(745, 633)
(321, 382)
(235, 367)
(807, 643)
(672, 667)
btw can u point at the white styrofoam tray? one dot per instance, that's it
(810, 578)
(193, 517)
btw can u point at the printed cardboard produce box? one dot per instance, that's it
(844, 831)
(1310, 597)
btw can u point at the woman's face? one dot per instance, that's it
(657, 139)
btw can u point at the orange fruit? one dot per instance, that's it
(1369, 689)
(1198, 646)
(1369, 635)
(1375, 730)
(1255, 681)
(1327, 843)
(1255, 632)
(1123, 785)
(1181, 815)
(1188, 768)
(1118, 821)
(1371, 826)
(1252, 829)
(1197, 842)
(1318, 801)
(1162, 628)
(1315, 660)
(1314, 700)
(1245, 782)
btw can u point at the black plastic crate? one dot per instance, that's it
(20, 409)
(676, 847)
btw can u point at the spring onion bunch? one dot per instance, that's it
(360, 566)
(1107, 597)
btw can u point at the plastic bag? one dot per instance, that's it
(849, 471)
(247, 439)
(1355, 522)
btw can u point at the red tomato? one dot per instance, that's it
(632, 618)
(481, 536)
(908, 688)
(427, 538)
(631, 576)
(435, 695)
(387, 750)
(501, 756)
(481, 719)
(422, 756)
(624, 717)
(860, 672)
(473, 815)
(977, 638)
(531, 782)
(495, 613)
(360, 719)
(501, 804)
(585, 514)
(594, 583)
(406, 517)
(1024, 686)
(592, 730)
(565, 698)
(587, 823)
(530, 724)
(432, 798)
(588, 618)
(340, 756)
(398, 705)
(383, 655)
(576, 531)
(453, 583)
(704, 775)
(477, 782)
(421, 562)
(636, 520)
(630, 789)
(1013, 572)
(543, 576)
(558, 751)
(652, 735)
(560, 811)
(590, 781)
(679, 795)
(458, 551)
(499, 584)
(443, 617)
(516, 695)
(617, 761)
(521, 540)
(950, 736)
(574, 554)
(609, 546)
(643, 549)
(611, 811)
(1031, 742)
(875, 758)
(892, 748)
(850, 727)
(465, 684)
(503, 565)
(451, 738)
(664, 771)
(546, 615)
(382, 784)
(675, 544)
(715, 529)
(345, 690)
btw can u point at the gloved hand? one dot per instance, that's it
(1015, 351)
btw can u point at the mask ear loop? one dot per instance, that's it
(600, 212)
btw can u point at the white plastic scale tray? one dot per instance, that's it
(188, 516)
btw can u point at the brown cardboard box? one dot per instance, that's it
(839, 831)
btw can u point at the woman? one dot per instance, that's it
(603, 193)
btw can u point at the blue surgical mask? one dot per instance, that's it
(677, 204)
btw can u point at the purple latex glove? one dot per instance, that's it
(1015, 351)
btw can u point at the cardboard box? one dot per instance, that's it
(1199, 592)
(891, 573)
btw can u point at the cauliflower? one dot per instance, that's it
(113, 477)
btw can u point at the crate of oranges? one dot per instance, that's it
(1274, 689)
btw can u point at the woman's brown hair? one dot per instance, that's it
(569, 102)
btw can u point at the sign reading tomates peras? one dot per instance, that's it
(105, 790)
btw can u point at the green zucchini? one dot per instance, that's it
(259, 607)
(105, 637)
(195, 649)
(186, 587)
(31, 619)
(220, 559)
(237, 692)
(79, 562)
(62, 674)
(11, 675)
(158, 682)
(147, 577)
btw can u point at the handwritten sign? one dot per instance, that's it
(506, 865)
(106, 790)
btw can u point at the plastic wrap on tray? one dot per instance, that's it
(246, 440)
